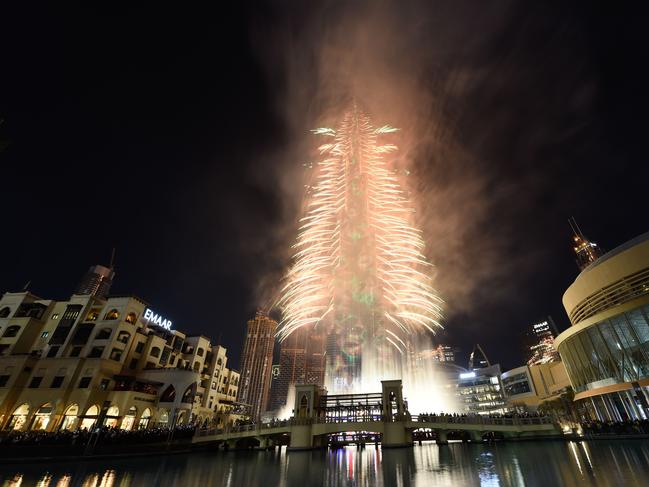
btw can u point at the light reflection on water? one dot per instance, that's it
(506, 464)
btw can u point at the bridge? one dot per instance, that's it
(379, 415)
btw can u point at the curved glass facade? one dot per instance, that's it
(612, 351)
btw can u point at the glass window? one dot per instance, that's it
(96, 352)
(103, 334)
(57, 382)
(84, 382)
(113, 314)
(35, 382)
(45, 334)
(3, 380)
(11, 331)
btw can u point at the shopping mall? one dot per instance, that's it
(606, 350)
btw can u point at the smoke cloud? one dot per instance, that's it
(457, 79)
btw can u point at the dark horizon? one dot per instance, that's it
(177, 137)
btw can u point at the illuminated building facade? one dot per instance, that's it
(96, 281)
(542, 350)
(89, 361)
(586, 251)
(606, 350)
(525, 388)
(480, 391)
(257, 363)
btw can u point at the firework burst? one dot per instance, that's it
(359, 266)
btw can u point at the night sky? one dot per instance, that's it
(178, 136)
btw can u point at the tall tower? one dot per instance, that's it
(359, 275)
(542, 349)
(96, 281)
(478, 359)
(257, 363)
(587, 252)
(292, 367)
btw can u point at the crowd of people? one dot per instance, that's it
(455, 417)
(99, 436)
(637, 427)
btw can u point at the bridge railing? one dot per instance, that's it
(483, 420)
(427, 418)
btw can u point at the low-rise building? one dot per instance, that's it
(529, 386)
(91, 361)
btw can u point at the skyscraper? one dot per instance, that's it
(587, 252)
(96, 281)
(257, 363)
(302, 361)
(359, 275)
(542, 349)
(478, 359)
(292, 367)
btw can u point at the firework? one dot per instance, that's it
(359, 274)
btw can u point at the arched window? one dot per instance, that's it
(129, 419)
(200, 352)
(155, 352)
(90, 418)
(219, 362)
(163, 419)
(42, 417)
(103, 334)
(19, 417)
(144, 419)
(92, 315)
(169, 394)
(70, 417)
(131, 318)
(113, 314)
(304, 406)
(123, 336)
(112, 416)
(92, 411)
(4, 312)
(188, 395)
(11, 331)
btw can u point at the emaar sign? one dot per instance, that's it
(156, 319)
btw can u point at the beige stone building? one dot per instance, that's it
(90, 361)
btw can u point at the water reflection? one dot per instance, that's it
(458, 464)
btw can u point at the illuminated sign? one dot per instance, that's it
(156, 319)
(467, 375)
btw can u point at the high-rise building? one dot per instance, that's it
(444, 353)
(587, 252)
(96, 281)
(478, 359)
(542, 350)
(257, 363)
(302, 361)
(359, 273)
(292, 367)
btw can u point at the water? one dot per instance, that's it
(547, 464)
